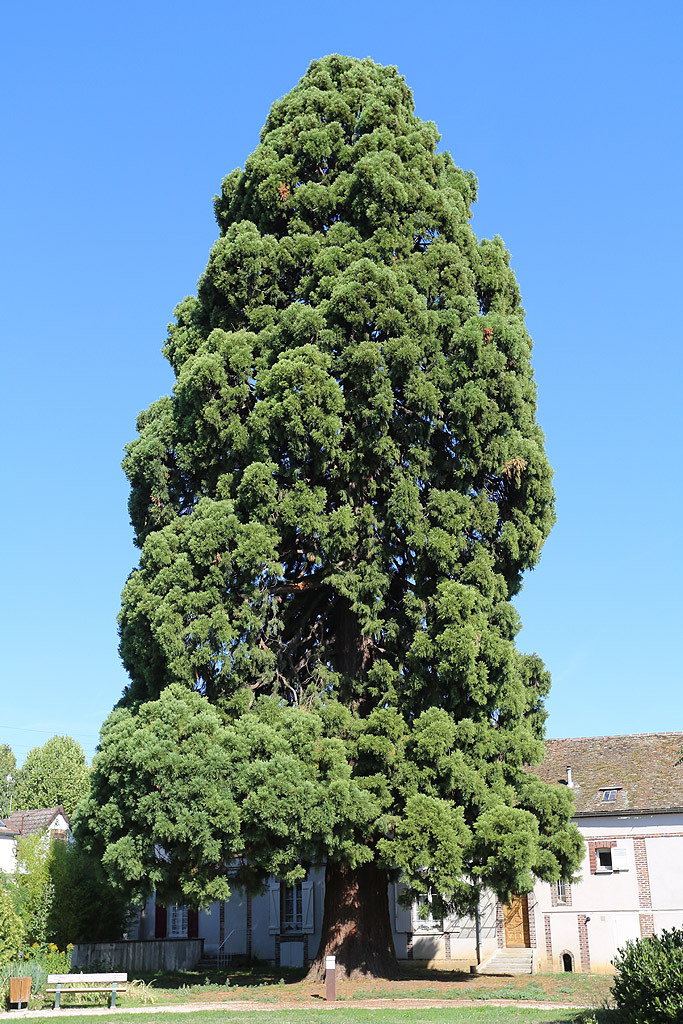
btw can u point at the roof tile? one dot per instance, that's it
(646, 769)
(25, 823)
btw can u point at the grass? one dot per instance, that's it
(286, 990)
(355, 1015)
(281, 986)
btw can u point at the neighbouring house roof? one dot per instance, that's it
(643, 771)
(25, 823)
(4, 831)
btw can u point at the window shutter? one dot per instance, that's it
(619, 858)
(404, 916)
(308, 907)
(159, 922)
(192, 923)
(274, 907)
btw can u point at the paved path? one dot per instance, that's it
(310, 1004)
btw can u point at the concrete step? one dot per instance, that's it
(211, 962)
(509, 961)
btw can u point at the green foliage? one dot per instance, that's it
(158, 786)
(11, 926)
(33, 886)
(86, 907)
(35, 962)
(335, 508)
(8, 764)
(53, 774)
(62, 895)
(648, 988)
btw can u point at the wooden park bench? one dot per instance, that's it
(68, 984)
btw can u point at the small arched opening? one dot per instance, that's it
(567, 961)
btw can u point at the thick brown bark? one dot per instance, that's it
(356, 927)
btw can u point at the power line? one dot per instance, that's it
(29, 728)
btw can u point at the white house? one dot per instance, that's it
(628, 793)
(629, 806)
(8, 842)
(25, 823)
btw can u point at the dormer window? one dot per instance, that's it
(609, 795)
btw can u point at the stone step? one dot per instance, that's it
(510, 961)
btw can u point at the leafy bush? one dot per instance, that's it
(86, 907)
(32, 885)
(50, 957)
(648, 988)
(36, 962)
(11, 927)
(21, 968)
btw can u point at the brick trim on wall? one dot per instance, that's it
(548, 939)
(647, 925)
(531, 911)
(642, 873)
(598, 844)
(409, 947)
(447, 945)
(500, 925)
(584, 950)
(555, 900)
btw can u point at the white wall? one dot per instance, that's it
(7, 854)
(611, 900)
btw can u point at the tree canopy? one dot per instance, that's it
(8, 764)
(335, 508)
(56, 773)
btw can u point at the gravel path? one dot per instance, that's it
(309, 1004)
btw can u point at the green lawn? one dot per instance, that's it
(354, 1015)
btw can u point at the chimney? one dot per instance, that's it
(569, 776)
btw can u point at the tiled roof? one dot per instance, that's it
(27, 822)
(4, 831)
(644, 770)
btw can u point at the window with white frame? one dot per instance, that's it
(176, 921)
(292, 912)
(563, 893)
(603, 856)
(426, 916)
(291, 907)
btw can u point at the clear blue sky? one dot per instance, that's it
(119, 122)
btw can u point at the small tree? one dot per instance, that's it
(86, 907)
(33, 885)
(56, 773)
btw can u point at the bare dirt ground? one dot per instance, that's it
(569, 989)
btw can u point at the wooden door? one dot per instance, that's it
(516, 917)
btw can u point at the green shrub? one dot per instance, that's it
(36, 962)
(53, 959)
(648, 988)
(11, 928)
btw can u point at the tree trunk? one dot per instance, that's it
(356, 926)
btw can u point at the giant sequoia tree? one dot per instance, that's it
(335, 508)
